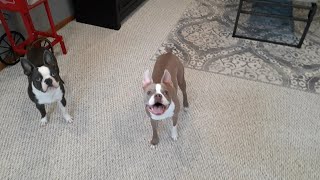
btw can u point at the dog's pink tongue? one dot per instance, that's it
(158, 110)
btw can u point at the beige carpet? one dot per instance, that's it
(202, 39)
(235, 129)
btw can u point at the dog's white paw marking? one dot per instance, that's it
(174, 133)
(44, 121)
(175, 138)
(153, 146)
(186, 109)
(68, 118)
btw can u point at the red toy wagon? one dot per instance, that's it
(12, 43)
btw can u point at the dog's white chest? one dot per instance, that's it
(48, 97)
(168, 114)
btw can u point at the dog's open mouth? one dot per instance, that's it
(157, 109)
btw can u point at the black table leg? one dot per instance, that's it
(311, 14)
(237, 18)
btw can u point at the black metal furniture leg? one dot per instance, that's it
(237, 18)
(311, 14)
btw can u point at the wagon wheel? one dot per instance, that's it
(7, 55)
(42, 42)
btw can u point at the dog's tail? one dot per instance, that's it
(169, 49)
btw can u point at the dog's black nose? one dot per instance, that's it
(157, 97)
(48, 82)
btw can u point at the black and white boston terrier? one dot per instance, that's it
(45, 84)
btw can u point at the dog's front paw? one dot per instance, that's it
(154, 141)
(174, 137)
(43, 121)
(68, 118)
(186, 109)
(174, 133)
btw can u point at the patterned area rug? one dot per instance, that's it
(203, 41)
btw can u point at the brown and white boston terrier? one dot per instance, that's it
(161, 100)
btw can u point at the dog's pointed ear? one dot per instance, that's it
(27, 66)
(146, 79)
(49, 59)
(166, 78)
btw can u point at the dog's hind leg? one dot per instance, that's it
(183, 87)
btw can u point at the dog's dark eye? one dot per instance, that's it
(149, 93)
(53, 74)
(165, 92)
(38, 79)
